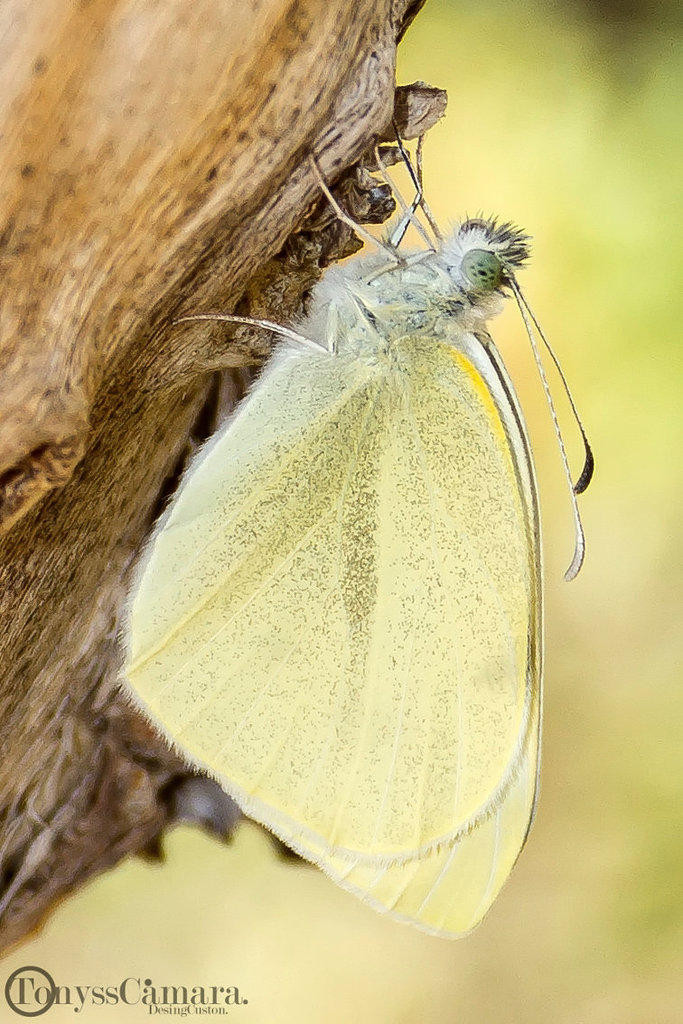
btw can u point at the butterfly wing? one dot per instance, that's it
(336, 616)
(449, 890)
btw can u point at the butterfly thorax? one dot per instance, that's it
(368, 317)
(365, 308)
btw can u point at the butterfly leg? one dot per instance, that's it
(345, 218)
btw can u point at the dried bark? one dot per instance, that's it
(155, 162)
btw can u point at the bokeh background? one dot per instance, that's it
(566, 118)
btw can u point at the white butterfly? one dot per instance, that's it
(340, 615)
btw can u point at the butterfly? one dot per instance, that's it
(340, 615)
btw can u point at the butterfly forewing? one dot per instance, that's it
(340, 615)
(341, 634)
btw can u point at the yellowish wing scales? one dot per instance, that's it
(313, 630)
(450, 890)
(339, 616)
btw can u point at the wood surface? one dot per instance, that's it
(155, 162)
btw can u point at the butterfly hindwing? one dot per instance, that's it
(335, 631)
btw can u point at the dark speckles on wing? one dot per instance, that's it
(358, 527)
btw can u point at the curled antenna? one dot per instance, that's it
(584, 479)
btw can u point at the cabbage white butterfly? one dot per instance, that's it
(339, 616)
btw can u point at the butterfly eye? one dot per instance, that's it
(483, 270)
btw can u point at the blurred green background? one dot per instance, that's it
(566, 119)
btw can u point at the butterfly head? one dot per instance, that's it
(483, 254)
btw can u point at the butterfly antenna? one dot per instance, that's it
(584, 479)
(343, 216)
(586, 474)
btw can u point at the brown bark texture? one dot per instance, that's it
(155, 162)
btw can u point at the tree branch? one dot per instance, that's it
(154, 164)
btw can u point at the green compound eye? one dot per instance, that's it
(483, 269)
